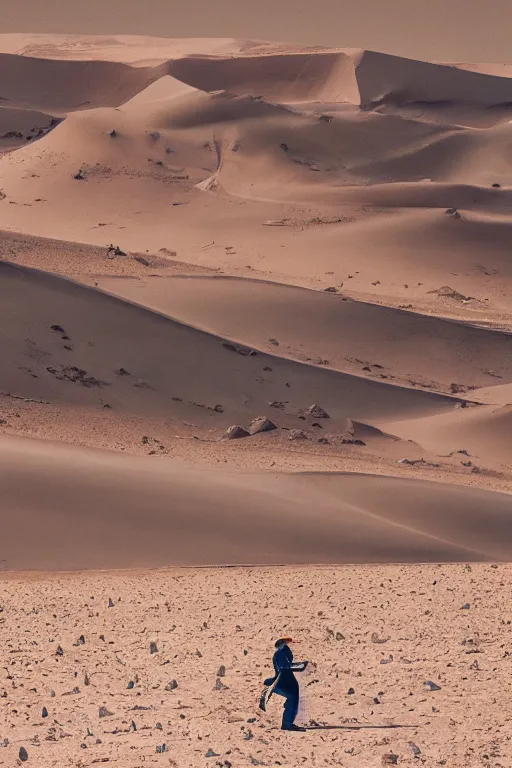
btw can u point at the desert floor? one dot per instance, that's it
(383, 631)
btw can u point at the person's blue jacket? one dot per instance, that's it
(284, 667)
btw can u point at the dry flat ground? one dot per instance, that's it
(382, 631)
(198, 234)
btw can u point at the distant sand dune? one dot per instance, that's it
(349, 335)
(168, 368)
(63, 86)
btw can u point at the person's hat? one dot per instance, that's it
(283, 640)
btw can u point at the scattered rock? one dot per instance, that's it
(59, 651)
(44, 713)
(113, 133)
(235, 431)
(284, 147)
(331, 289)
(453, 212)
(316, 412)
(465, 607)
(261, 424)
(23, 754)
(379, 640)
(153, 648)
(131, 685)
(222, 671)
(240, 350)
(297, 434)
(496, 185)
(447, 292)
(104, 712)
(171, 686)
(431, 686)
(161, 748)
(351, 692)
(219, 685)
(110, 603)
(414, 749)
(142, 261)
(57, 328)
(79, 176)
(390, 759)
(76, 375)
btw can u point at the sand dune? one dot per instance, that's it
(312, 76)
(500, 394)
(385, 78)
(136, 50)
(292, 322)
(386, 179)
(85, 509)
(62, 86)
(484, 432)
(168, 369)
(17, 126)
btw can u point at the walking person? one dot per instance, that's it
(284, 683)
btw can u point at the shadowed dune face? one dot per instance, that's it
(315, 326)
(67, 343)
(87, 509)
(64, 86)
(321, 77)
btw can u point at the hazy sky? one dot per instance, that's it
(440, 29)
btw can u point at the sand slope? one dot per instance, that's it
(168, 368)
(318, 327)
(85, 509)
(61, 86)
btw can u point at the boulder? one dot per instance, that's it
(316, 412)
(297, 434)
(235, 431)
(261, 424)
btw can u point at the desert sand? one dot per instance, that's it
(256, 343)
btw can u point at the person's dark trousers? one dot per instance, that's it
(290, 691)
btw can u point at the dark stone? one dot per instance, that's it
(316, 412)
(261, 424)
(234, 432)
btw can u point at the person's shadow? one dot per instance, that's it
(354, 727)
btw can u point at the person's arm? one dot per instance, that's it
(299, 666)
(285, 661)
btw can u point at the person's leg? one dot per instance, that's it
(291, 707)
